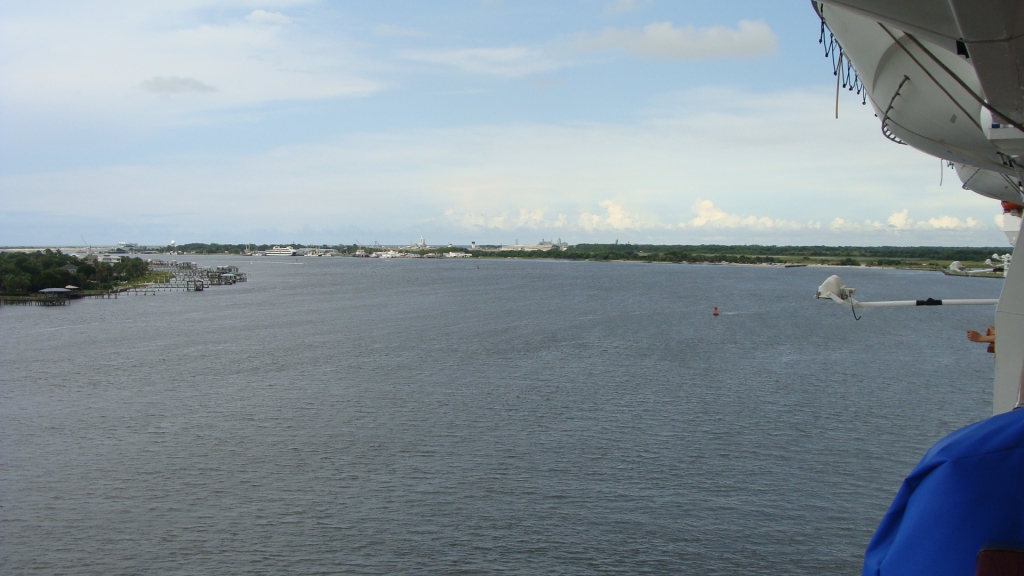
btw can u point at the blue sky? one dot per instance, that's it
(487, 121)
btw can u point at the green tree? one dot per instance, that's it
(16, 283)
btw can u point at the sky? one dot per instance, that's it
(491, 121)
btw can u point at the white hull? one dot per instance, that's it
(279, 251)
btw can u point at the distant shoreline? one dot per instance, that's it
(934, 258)
(931, 267)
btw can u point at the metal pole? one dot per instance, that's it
(930, 302)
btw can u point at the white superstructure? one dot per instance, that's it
(279, 251)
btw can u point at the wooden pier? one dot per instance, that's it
(185, 277)
(32, 301)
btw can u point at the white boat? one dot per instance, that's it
(279, 251)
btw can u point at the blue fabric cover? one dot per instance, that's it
(966, 492)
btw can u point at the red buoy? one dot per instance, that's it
(715, 313)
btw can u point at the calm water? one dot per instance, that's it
(366, 416)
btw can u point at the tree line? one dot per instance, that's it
(757, 254)
(23, 273)
(697, 253)
(214, 248)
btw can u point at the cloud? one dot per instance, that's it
(175, 85)
(899, 220)
(511, 62)
(84, 66)
(526, 218)
(710, 216)
(951, 222)
(902, 222)
(264, 17)
(663, 41)
(530, 218)
(621, 6)
(581, 181)
(617, 218)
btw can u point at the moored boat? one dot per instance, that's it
(281, 251)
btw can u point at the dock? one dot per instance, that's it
(188, 276)
(184, 277)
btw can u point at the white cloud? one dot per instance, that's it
(902, 222)
(105, 65)
(731, 166)
(951, 222)
(264, 17)
(621, 6)
(899, 220)
(530, 218)
(709, 215)
(511, 61)
(662, 40)
(525, 219)
(175, 85)
(842, 225)
(616, 218)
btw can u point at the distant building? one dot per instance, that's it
(70, 268)
(555, 244)
(542, 245)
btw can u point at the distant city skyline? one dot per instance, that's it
(486, 121)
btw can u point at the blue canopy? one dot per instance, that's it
(965, 494)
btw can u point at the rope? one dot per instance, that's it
(842, 67)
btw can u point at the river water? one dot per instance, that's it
(346, 416)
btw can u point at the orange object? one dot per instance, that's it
(715, 313)
(999, 562)
(1011, 207)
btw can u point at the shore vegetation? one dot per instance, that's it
(913, 257)
(934, 257)
(26, 273)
